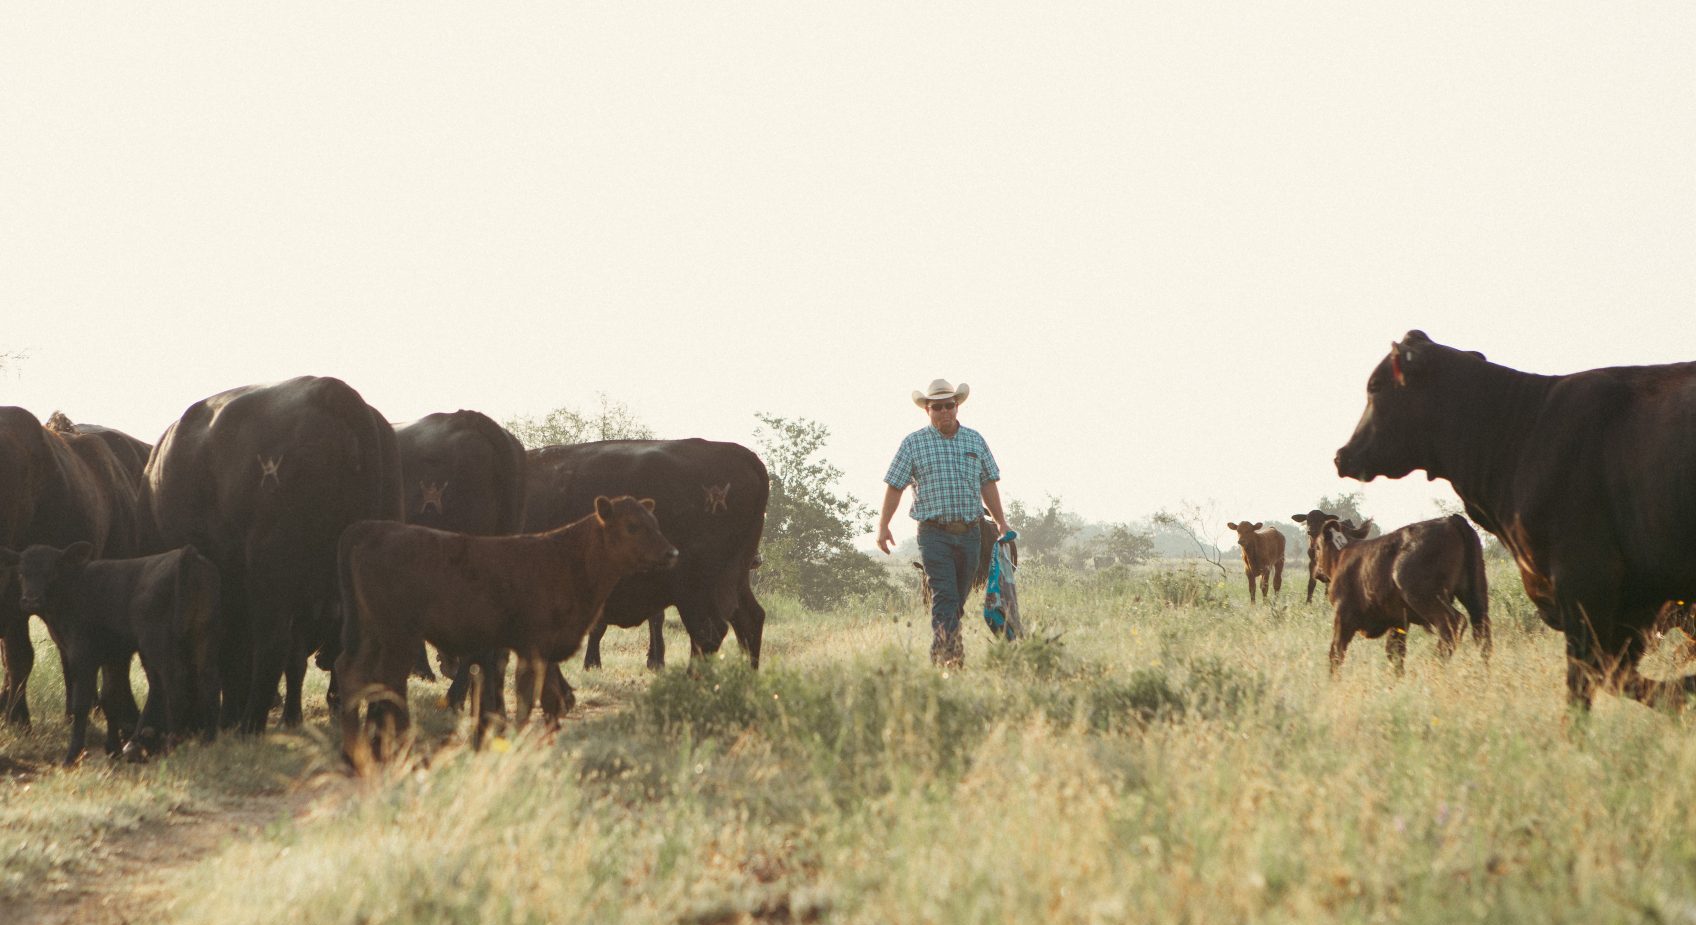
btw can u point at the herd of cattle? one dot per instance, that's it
(274, 522)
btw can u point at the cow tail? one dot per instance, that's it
(199, 592)
(1475, 590)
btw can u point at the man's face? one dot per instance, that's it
(942, 414)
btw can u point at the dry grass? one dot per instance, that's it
(1153, 763)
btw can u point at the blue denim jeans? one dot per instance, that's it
(951, 563)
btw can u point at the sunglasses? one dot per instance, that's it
(943, 406)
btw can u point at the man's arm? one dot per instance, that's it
(992, 500)
(891, 500)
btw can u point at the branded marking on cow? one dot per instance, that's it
(718, 498)
(268, 470)
(432, 495)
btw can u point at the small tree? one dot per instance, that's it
(1191, 520)
(1345, 505)
(1043, 535)
(612, 421)
(1125, 545)
(808, 545)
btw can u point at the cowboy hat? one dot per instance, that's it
(940, 390)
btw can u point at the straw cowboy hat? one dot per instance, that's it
(940, 390)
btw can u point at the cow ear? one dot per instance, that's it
(603, 508)
(647, 503)
(1299, 518)
(1338, 539)
(76, 555)
(1231, 526)
(1257, 526)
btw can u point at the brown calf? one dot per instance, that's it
(1410, 576)
(1314, 521)
(536, 594)
(1263, 555)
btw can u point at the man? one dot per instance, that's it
(954, 479)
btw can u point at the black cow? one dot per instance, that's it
(163, 607)
(263, 479)
(464, 473)
(59, 486)
(1314, 522)
(1588, 479)
(711, 503)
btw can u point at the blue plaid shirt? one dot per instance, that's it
(947, 473)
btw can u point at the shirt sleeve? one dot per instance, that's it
(990, 471)
(900, 473)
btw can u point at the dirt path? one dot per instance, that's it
(135, 869)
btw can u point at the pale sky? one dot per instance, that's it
(1164, 243)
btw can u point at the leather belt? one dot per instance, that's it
(956, 527)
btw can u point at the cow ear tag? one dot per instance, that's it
(1396, 365)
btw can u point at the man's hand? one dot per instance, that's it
(1001, 529)
(885, 539)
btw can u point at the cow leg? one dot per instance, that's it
(656, 641)
(82, 691)
(592, 650)
(1278, 575)
(748, 622)
(557, 696)
(294, 678)
(529, 674)
(1342, 633)
(117, 701)
(1395, 647)
(153, 731)
(271, 630)
(350, 675)
(1311, 581)
(20, 661)
(1250, 574)
(235, 649)
(489, 688)
(1583, 663)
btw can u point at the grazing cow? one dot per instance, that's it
(58, 486)
(1263, 555)
(263, 479)
(534, 593)
(1314, 522)
(1410, 576)
(1588, 479)
(711, 503)
(102, 613)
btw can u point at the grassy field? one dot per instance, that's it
(1162, 752)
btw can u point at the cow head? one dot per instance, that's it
(632, 534)
(1245, 531)
(42, 572)
(1329, 545)
(1405, 407)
